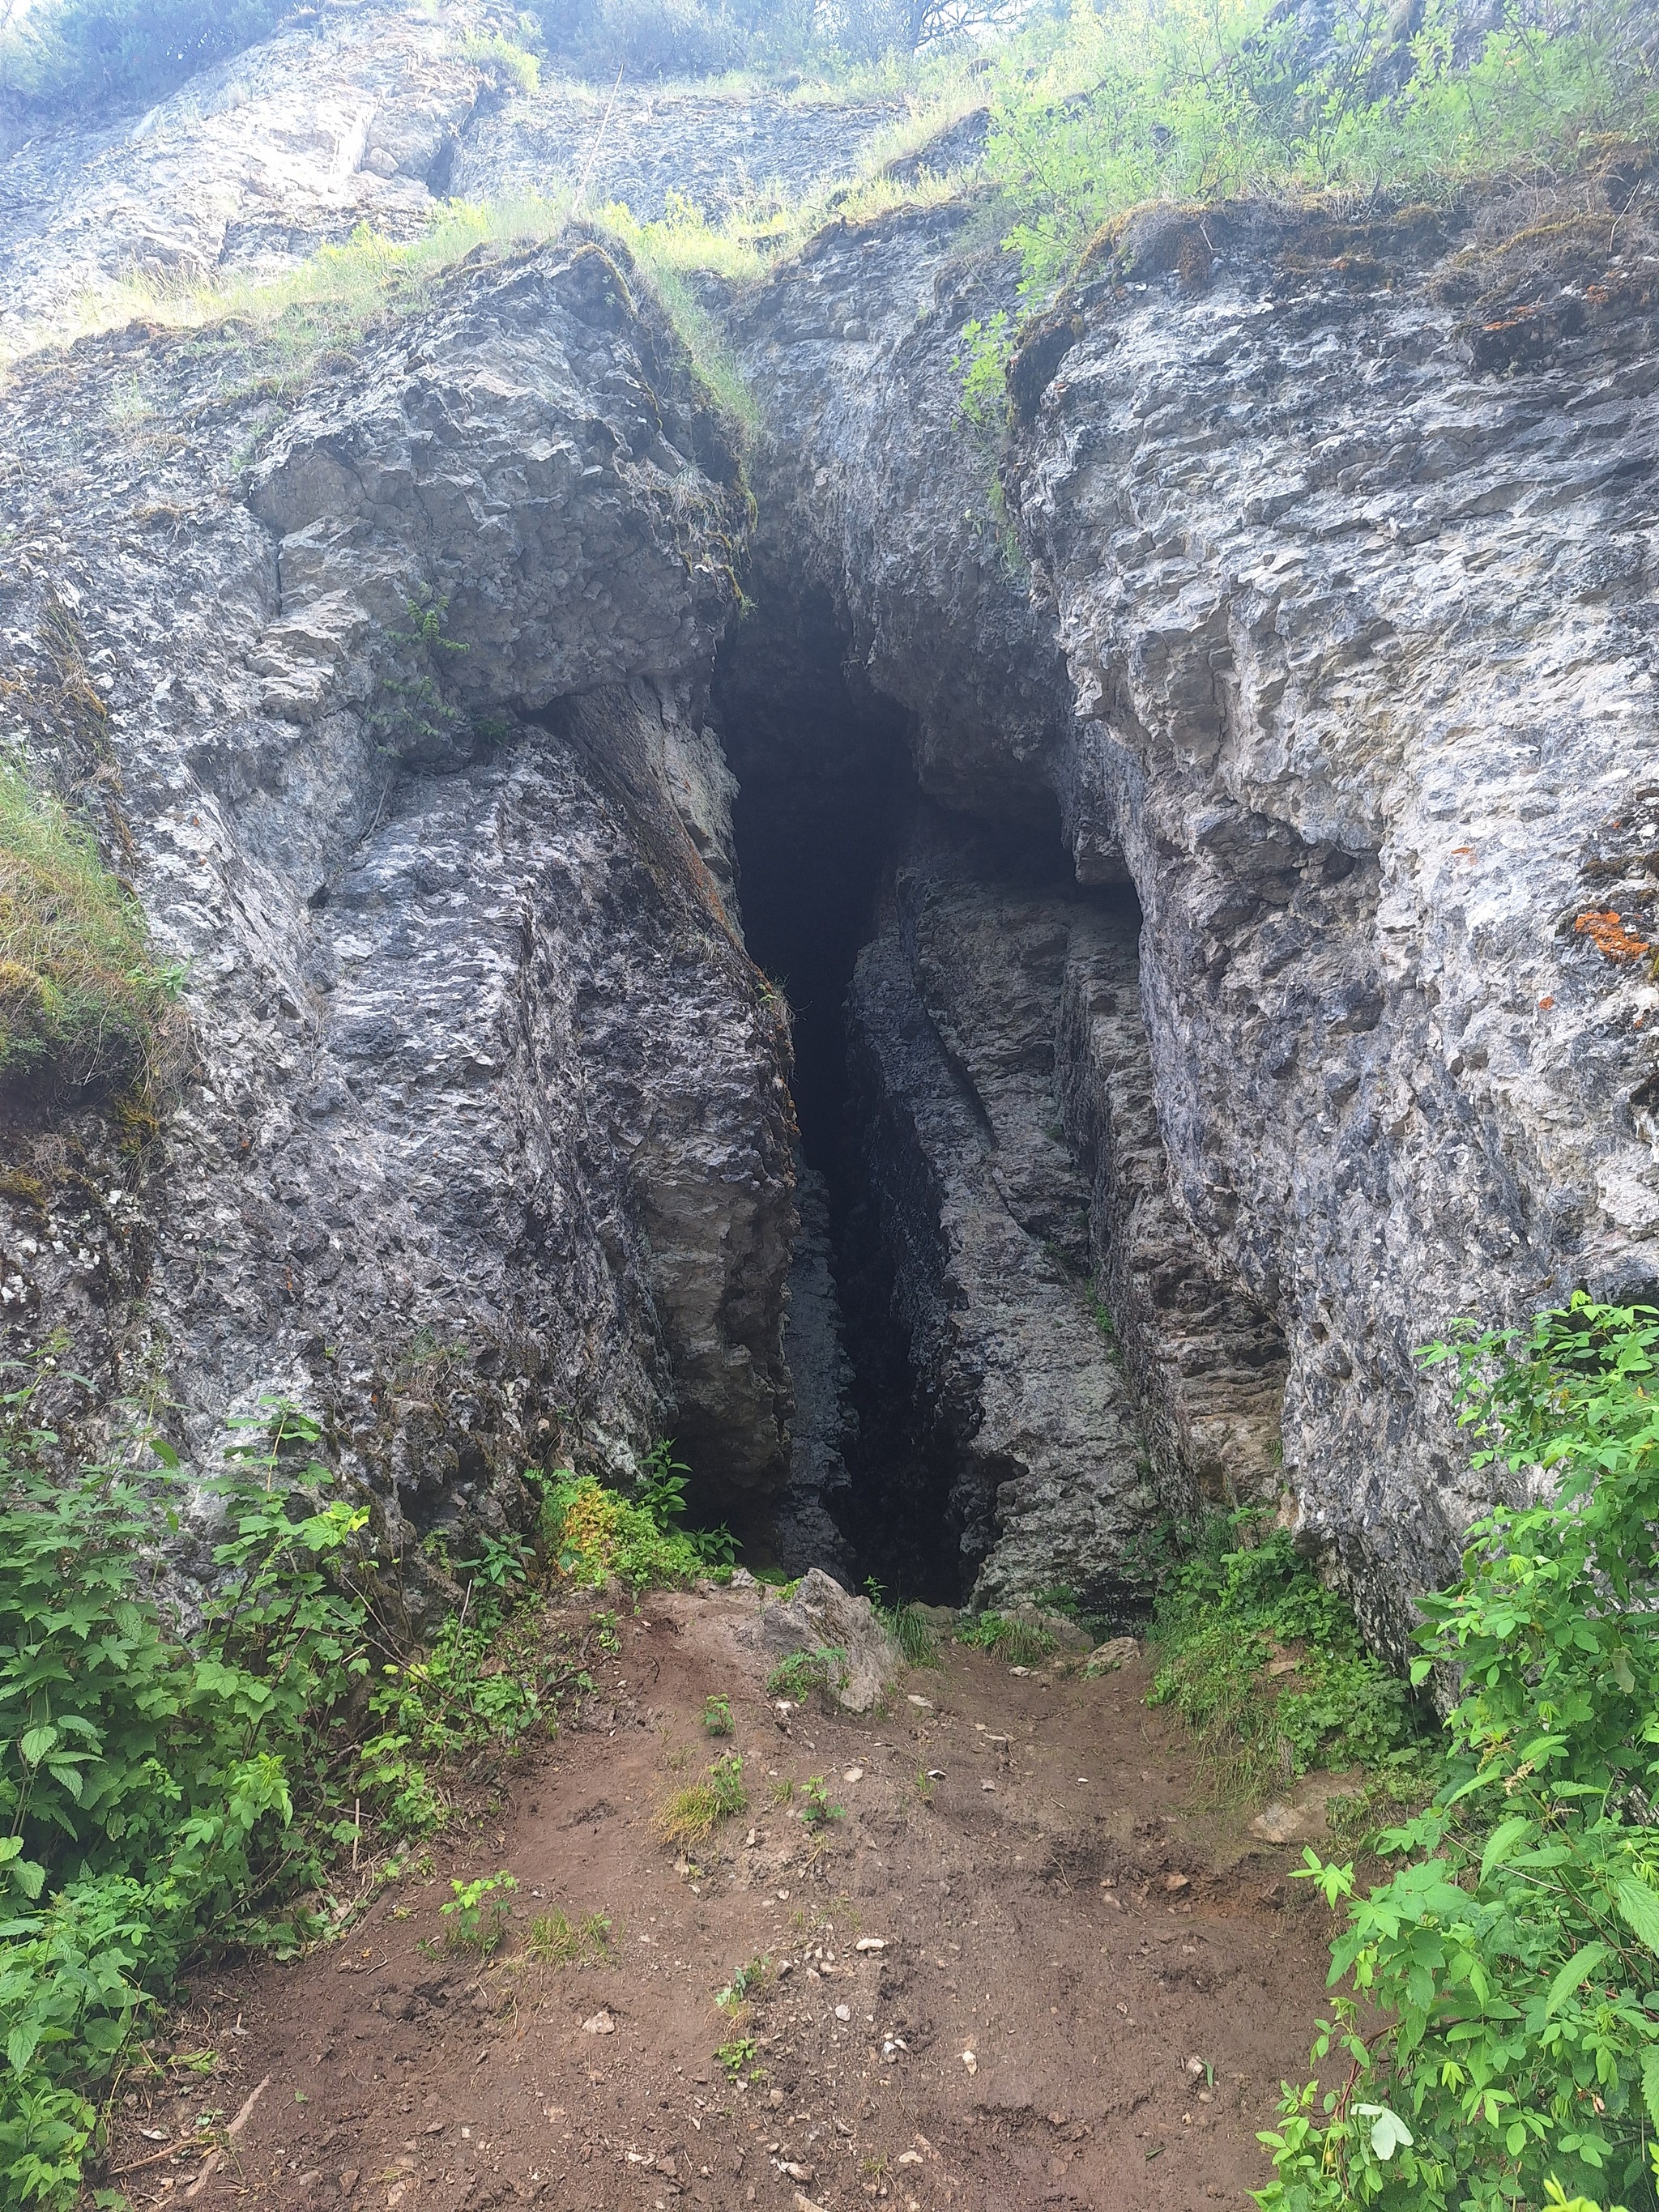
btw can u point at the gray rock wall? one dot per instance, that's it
(482, 1146)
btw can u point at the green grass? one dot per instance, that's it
(556, 1940)
(692, 1814)
(81, 999)
(823, 1669)
(1017, 1643)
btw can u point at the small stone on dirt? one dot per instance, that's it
(853, 1774)
(600, 2023)
(1106, 1658)
(844, 2012)
(970, 2061)
(871, 1943)
(1175, 1881)
(924, 1704)
(1278, 1824)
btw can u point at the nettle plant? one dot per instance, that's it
(1501, 2048)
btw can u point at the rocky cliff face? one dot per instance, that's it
(1222, 806)
(1343, 538)
(486, 1148)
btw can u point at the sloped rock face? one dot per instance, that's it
(985, 1215)
(487, 1151)
(1346, 541)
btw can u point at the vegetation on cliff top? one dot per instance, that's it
(82, 999)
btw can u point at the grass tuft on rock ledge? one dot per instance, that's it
(82, 1000)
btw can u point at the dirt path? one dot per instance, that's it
(1031, 1910)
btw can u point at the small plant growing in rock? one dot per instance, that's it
(824, 1668)
(816, 1809)
(478, 1912)
(717, 1715)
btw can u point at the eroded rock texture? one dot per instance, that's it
(486, 1150)
(1346, 540)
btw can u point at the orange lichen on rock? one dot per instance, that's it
(1609, 934)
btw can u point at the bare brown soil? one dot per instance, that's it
(1131, 1981)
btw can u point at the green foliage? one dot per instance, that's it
(1508, 1971)
(1019, 1642)
(1241, 1595)
(741, 2052)
(717, 1715)
(596, 1534)
(65, 54)
(1191, 101)
(816, 1809)
(478, 1912)
(557, 1941)
(81, 998)
(824, 1668)
(692, 1813)
(732, 1998)
(160, 1794)
(504, 60)
(149, 1787)
(983, 353)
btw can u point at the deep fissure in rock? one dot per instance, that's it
(832, 834)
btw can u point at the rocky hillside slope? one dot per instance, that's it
(1214, 798)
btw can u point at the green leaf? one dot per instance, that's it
(35, 1743)
(1579, 1968)
(1502, 1841)
(1638, 1908)
(20, 2044)
(1650, 2082)
(1389, 2131)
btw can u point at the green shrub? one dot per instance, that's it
(478, 1912)
(1241, 1594)
(81, 1000)
(152, 1788)
(717, 1715)
(693, 1813)
(1509, 2041)
(594, 1534)
(73, 53)
(816, 1809)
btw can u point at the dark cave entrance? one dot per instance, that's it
(827, 802)
(825, 791)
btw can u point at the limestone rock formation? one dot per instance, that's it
(485, 1153)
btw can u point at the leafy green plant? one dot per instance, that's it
(1243, 1601)
(823, 1669)
(816, 1809)
(732, 1998)
(741, 2052)
(503, 59)
(81, 999)
(1019, 1642)
(156, 1794)
(1509, 2041)
(557, 1941)
(478, 1912)
(717, 1715)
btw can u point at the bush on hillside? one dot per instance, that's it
(67, 54)
(1507, 2056)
